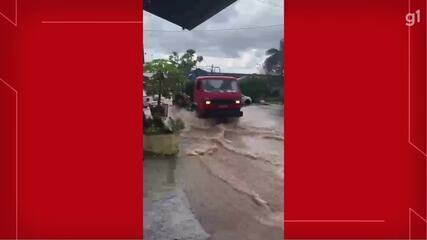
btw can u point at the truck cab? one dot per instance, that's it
(217, 96)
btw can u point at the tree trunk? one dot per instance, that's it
(160, 88)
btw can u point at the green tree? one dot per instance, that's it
(267, 87)
(167, 78)
(254, 87)
(273, 64)
(185, 62)
(170, 74)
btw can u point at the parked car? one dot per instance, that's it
(246, 100)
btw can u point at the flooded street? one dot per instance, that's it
(232, 173)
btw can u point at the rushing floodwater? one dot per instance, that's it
(232, 173)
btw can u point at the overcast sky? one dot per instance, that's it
(234, 51)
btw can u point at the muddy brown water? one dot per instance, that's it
(232, 173)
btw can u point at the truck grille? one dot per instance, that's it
(222, 101)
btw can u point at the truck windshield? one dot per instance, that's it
(220, 85)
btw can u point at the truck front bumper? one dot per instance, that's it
(213, 113)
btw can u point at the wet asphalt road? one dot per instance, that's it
(167, 214)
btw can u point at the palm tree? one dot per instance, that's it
(273, 64)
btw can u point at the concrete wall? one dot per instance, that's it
(164, 144)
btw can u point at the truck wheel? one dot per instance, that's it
(247, 102)
(200, 114)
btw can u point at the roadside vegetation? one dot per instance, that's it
(273, 64)
(169, 78)
(170, 75)
(263, 87)
(155, 126)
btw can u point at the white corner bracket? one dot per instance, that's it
(14, 22)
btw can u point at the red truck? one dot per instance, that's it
(217, 96)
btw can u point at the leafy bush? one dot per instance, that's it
(177, 125)
(157, 126)
(262, 87)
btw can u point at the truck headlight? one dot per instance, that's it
(208, 102)
(237, 101)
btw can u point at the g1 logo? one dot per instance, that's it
(412, 18)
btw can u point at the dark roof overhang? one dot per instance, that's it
(186, 13)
